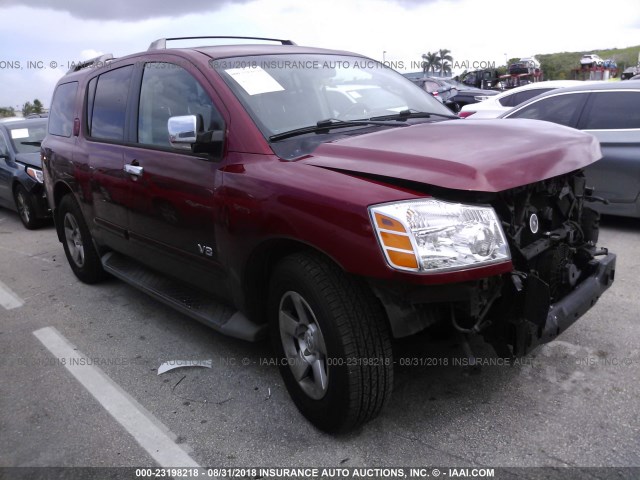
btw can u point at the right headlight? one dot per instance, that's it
(432, 236)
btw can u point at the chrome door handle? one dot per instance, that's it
(133, 170)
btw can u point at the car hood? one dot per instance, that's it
(483, 155)
(32, 159)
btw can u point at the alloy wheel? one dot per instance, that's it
(74, 239)
(304, 345)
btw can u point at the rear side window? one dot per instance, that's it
(508, 100)
(520, 97)
(106, 108)
(61, 114)
(562, 109)
(613, 110)
(431, 86)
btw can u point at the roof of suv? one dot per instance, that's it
(219, 52)
(225, 51)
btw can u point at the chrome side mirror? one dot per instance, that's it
(183, 131)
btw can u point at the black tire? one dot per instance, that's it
(353, 328)
(26, 206)
(77, 242)
(454, 107)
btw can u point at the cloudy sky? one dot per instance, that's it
(39, 38)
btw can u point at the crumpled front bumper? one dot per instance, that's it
(562, 314)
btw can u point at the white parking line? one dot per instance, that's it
(8, 299)
(147, 430)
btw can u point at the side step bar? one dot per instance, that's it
(188, 300)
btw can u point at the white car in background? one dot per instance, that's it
(591, 60)
(495, 106)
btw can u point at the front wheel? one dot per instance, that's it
(454, 107)
(331, 338)
(78, 244)
(25, 203)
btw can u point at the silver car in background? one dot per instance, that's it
(610, 112)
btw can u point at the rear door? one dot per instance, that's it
(613, 117)
(173, 209)
(101, 153)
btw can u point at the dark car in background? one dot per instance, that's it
(610, 112)
(440, 90)
(454, 94)
(21, 187)
(465, 94)
(629, 73)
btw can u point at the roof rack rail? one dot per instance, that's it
(97, 61)
(161, 43)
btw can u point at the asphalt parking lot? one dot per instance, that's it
(574, 402)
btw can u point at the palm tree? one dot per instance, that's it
(445, 60)
(430, 62)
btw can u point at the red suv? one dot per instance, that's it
(322, 198)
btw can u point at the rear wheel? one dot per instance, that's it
(78, 244)
(332, 341)
(26, 205)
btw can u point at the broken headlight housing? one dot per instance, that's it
(432, 236)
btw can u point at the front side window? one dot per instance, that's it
(170, 91)
(109, 104)
(61, 114)
(562, 109)
(613, 110)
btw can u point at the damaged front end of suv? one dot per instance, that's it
(508, 244)
(546, 229)
(559, 272)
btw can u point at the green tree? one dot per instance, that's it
(430, 62)
(27, 109)
(7, 112)
(37, 106)
(445, 60)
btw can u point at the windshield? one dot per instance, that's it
(288, 92)
(26, 137)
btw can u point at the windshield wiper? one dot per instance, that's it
(323, 126)
(404, 114)
(32, 144)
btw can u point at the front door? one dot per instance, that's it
(173, 209)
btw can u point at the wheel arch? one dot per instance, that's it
(14, 185)
(257, 272)
(60, 190)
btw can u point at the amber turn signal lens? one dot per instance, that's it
(388, 223)
(401, 259)
(396, 241)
